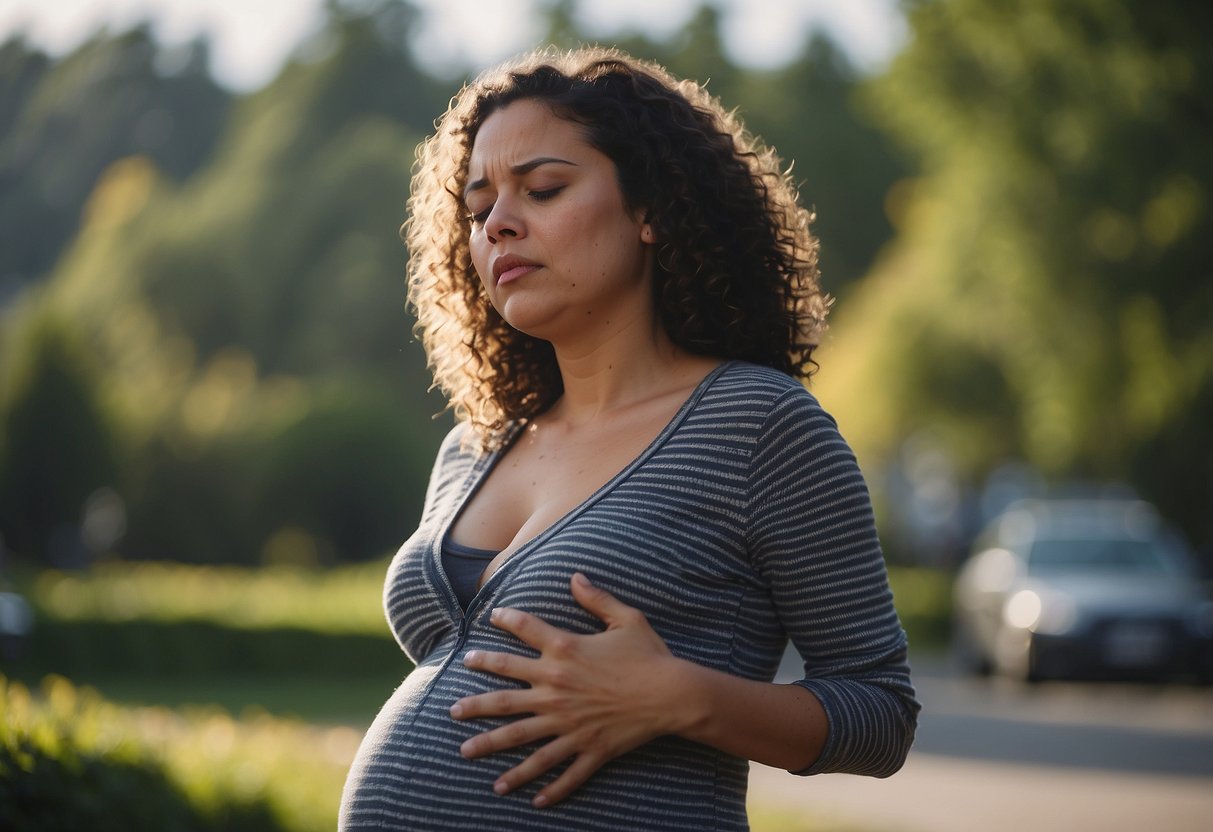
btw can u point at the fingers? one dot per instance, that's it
(511, 735)
(496, 703)
(542, 761)
(601, 603)
(573, 777)
(528, 628)
(542, 636)
(502, 664)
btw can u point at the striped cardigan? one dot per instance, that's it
(746, 522)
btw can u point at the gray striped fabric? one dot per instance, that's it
(746, 522)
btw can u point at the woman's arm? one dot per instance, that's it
(601, 695)
(812, 537)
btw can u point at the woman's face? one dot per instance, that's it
(560, 255)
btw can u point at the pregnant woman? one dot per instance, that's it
(641, 503)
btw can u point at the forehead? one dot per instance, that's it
(523, 130)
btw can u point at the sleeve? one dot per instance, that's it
(813, 539)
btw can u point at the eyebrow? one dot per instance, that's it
(518, 170)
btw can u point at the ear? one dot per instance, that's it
(646, 234)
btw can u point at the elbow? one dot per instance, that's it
(871, 730)
(897, 748)
(895, 759)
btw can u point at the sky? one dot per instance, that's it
(251, 38)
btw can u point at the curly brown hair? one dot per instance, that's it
(735, 272)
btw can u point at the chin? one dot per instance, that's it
(535, 322)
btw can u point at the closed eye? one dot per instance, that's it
(479, 217)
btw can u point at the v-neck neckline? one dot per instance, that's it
(484, 468)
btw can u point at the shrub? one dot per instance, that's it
(56, 444)
(70, 760)
(63, 766)
(924, 602)
(349, 474)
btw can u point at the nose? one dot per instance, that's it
(503, 222)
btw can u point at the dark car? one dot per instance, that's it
(1079, 588)
(16, 621)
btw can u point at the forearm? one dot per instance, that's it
(784, 726)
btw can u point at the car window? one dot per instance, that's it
(1111, 555)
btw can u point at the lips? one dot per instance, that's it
(510, 267)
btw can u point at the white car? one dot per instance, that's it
(1078, 588)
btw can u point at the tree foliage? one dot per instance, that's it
(65, 121)
(1047, 296)
(58, 445)
(215, 311)
(235, 287)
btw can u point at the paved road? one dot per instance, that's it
(1000, 756)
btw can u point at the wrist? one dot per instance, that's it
(683, 700)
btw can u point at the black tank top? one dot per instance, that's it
(464, 566)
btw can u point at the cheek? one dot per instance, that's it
(480, 258)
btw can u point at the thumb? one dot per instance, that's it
(601, 603)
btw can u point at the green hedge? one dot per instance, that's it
(924, 602)
(345, 599)
(179, 621)
(199, 648)
(69, 760)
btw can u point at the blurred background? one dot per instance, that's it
(214, 420)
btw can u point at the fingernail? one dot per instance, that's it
(581, 579)
(466, 749)
(501, 787)
(540, 801)
(456, 710)
(471, 656)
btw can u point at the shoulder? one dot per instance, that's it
(782, 422)
(767, 392)
(459, 449)
(759, 412)
(761, 381)
(455, 461)
(455, 440)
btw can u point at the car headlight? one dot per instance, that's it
(1048, 613)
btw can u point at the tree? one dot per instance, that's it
(1048, 294)
(212, 307)
(65, 121)
(58, 446)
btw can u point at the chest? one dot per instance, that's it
(666, 536)
(543, 476)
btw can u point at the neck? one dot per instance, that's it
(634, 363)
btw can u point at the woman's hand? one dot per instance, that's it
(596, 696)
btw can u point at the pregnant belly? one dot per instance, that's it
(408, 766)
(408, 774)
